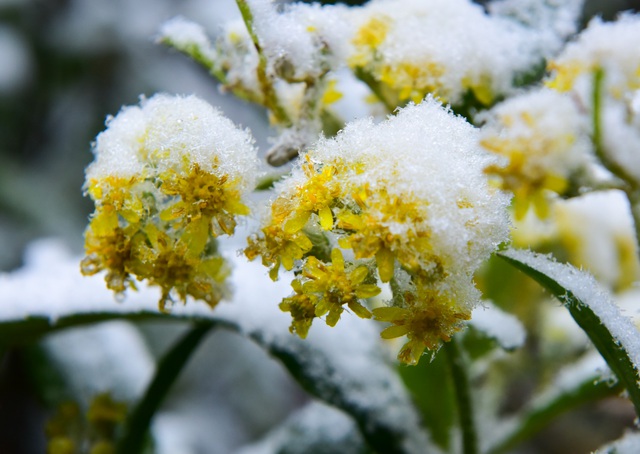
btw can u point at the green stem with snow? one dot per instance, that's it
(271, 101)
(631, 188)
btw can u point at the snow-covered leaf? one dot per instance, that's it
(314, 428)
(344, 366)
(613, 334)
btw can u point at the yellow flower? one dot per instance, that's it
(528, 183)
(337, 287)
(331, 93)
(167, 263)
(302, 307)
(543, 140)
(168, 178)
(428, 319)
(316, 195)
(109, 251)
(208, 195)
(371, 233)
(373, 33)
(276, 247)
(412, 81)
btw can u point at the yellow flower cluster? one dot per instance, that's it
(354, 217)
(158, 215)
(544, 142)
(451, 49)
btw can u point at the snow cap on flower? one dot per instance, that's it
(239, 57)
(168, 177)
(451, 47)
(166, 131)
(544, 139)
(405, 201)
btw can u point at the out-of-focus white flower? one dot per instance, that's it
(169, 176)
(405, 201)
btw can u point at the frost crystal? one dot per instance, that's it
(404, 201)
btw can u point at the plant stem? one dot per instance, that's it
(137, 424)
(270, 97)
(631, 188)
(458, 364)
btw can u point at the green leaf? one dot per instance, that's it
(613, 334)
(136, 426)
(436, 408)
(372, 394)
(575, 385)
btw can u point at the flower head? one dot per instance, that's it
(169, 177)
(452, 49)
(404, 200)
(544, 141)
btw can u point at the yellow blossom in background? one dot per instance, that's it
(165, 186)
(543, 141)
(603, 52)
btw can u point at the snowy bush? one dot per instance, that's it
(429, 151)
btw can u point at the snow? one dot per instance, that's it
(505, 328)
(597, 231)
(436, 160)
(471, 48)
(185, 34)
(628, 444)
(314, 428)
(164, 131)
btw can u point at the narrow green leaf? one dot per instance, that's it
(386, 418)
(136, 427)
(613, 334)
(576, 385)
(31, 328)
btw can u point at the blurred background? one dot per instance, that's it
(64, 66)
